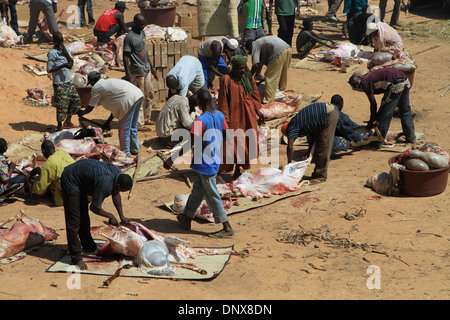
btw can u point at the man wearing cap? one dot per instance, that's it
(394, 86)
(111, 22)
(210, 55)
(317, 122)
(383, 37)
(124, 100)
(138, 67)
(276, 54)
(186, 75)
(99, 180)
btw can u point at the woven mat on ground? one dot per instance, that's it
(213, 264)
(248, 204)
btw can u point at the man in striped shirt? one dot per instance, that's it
(317, 122)
(90, 178)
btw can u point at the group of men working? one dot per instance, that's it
(238, 107)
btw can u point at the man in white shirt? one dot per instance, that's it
(124, 100)
(176, 114)
(49, 8)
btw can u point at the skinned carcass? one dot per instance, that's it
(267, 182)
(25, 233)
(76, 147)
(45, 29)
(153, 253)
(279, 109)
(8, 37)
(117, 46)
(341, 50)
(80, 47)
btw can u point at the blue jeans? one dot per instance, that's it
(205, 187)
(90, 10)
(128, 125)
(388, 103)
(220, 65)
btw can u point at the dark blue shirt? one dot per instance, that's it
(90, 178)
(345, 126)
(308, 122)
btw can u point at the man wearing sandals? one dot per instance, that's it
(208, 131)
(66, 97)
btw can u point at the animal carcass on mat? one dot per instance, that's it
(153, 253)
(26, 232)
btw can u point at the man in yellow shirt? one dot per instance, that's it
(50, 172)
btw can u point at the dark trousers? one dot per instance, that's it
(13, 23)
(286, 29)
(78, 225)
(105, 36)
(324, 145)
(90, 10)
(333, 6)
(390, 101)
(395, 13)
(36, 6)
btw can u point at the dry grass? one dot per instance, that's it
(425, 32)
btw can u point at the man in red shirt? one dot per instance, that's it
(111, 22)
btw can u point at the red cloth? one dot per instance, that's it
(239, 111)
(106, 20)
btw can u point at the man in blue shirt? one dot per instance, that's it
(209, 128)
(317, 122)
(96, 179)
(186, 75)
(67, 100)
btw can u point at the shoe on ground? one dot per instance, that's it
(185, 221)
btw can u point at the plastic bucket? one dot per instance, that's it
(423, 183)
(85, 95)
(161, 16)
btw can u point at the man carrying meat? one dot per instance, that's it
(276, 54)
(317, 122)
(138, 68)
(50, 172)
(394, 85)
(111, 22)
(124, 100)
(96, 179)
(208, 130)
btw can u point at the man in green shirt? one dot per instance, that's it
(253, 11)
(50, 172)
(285, 11)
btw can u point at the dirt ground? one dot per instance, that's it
(408, 236)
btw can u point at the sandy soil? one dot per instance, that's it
(409, 235)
